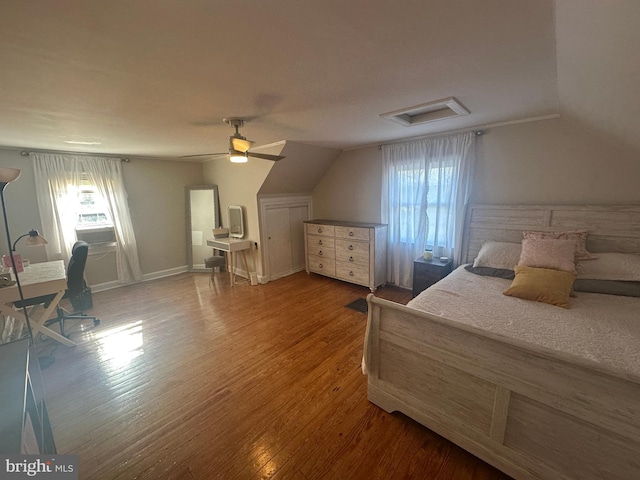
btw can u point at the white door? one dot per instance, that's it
(279, 238)
(285, 237)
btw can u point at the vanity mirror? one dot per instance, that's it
(236, 222)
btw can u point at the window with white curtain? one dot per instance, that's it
(425, 191)
(85, 195)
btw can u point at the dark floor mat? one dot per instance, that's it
(359, 305)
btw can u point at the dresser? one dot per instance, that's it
(351, 251)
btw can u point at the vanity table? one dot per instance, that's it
(231, 246)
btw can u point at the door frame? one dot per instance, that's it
(266, 203)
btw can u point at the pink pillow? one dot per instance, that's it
(549, 253)
(580, 236)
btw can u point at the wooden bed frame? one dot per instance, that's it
(530, 412)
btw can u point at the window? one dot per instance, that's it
(93, 210)
(411, 180)
(94, 224)
(425, 189)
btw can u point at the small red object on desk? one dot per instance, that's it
(16, 258)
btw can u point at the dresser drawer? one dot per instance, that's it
(324, 230)
(321, 241)
(325, 266)
(427, 277)
(353, 273)
(356, 233)
(320, 251)
(352, 252)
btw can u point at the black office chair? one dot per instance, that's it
(77, 292)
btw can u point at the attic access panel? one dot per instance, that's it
(427, 112)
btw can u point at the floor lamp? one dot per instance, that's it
(8, 175)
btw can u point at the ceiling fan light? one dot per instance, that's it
(237, 157)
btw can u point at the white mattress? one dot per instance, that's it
(600, 328)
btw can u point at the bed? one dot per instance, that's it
(542, 392)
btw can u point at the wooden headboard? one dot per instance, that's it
(614, 228)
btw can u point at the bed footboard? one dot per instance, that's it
(529, 412)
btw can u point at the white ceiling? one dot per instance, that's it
(155, 77)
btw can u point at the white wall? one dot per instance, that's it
(552, 161)
(350, 190)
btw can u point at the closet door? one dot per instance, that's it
(279, 238)
(282, 234)
(285, 234)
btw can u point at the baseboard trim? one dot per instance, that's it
(100, 287)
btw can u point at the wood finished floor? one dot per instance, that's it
(186, 380)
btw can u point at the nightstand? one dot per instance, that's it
(428, 272)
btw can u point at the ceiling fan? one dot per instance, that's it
(238, 145)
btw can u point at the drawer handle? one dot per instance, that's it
(319, 242)
(351, 234)
(351, 274)
(320, 265)
(320, 252)
(351, 259)
(319, 230)
(350, 247)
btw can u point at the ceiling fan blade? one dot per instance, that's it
(204, 155)
(265, 156)
(240, 144)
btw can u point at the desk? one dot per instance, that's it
(231, 245)
(38, 279)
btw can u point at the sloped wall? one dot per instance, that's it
(552, 161)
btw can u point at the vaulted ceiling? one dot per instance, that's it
(156, 77)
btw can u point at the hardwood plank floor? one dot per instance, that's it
(183, 379)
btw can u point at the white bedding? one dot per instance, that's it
(601, 328)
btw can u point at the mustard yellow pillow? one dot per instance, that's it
(542, 285)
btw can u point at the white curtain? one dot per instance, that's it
(426, 187)
(58, 181)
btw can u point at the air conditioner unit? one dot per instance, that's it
(97, 236)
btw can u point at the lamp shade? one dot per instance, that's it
(34, 239)
(8, 174)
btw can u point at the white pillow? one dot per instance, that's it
(502, 255)
(611, 266)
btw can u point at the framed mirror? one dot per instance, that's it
(203, 215)
(236, 222)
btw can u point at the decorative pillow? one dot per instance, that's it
(556, 254)
(501, 255)
(542, 285)
(611, 266)
(491, 272)
(580, 236)
(609, 287)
